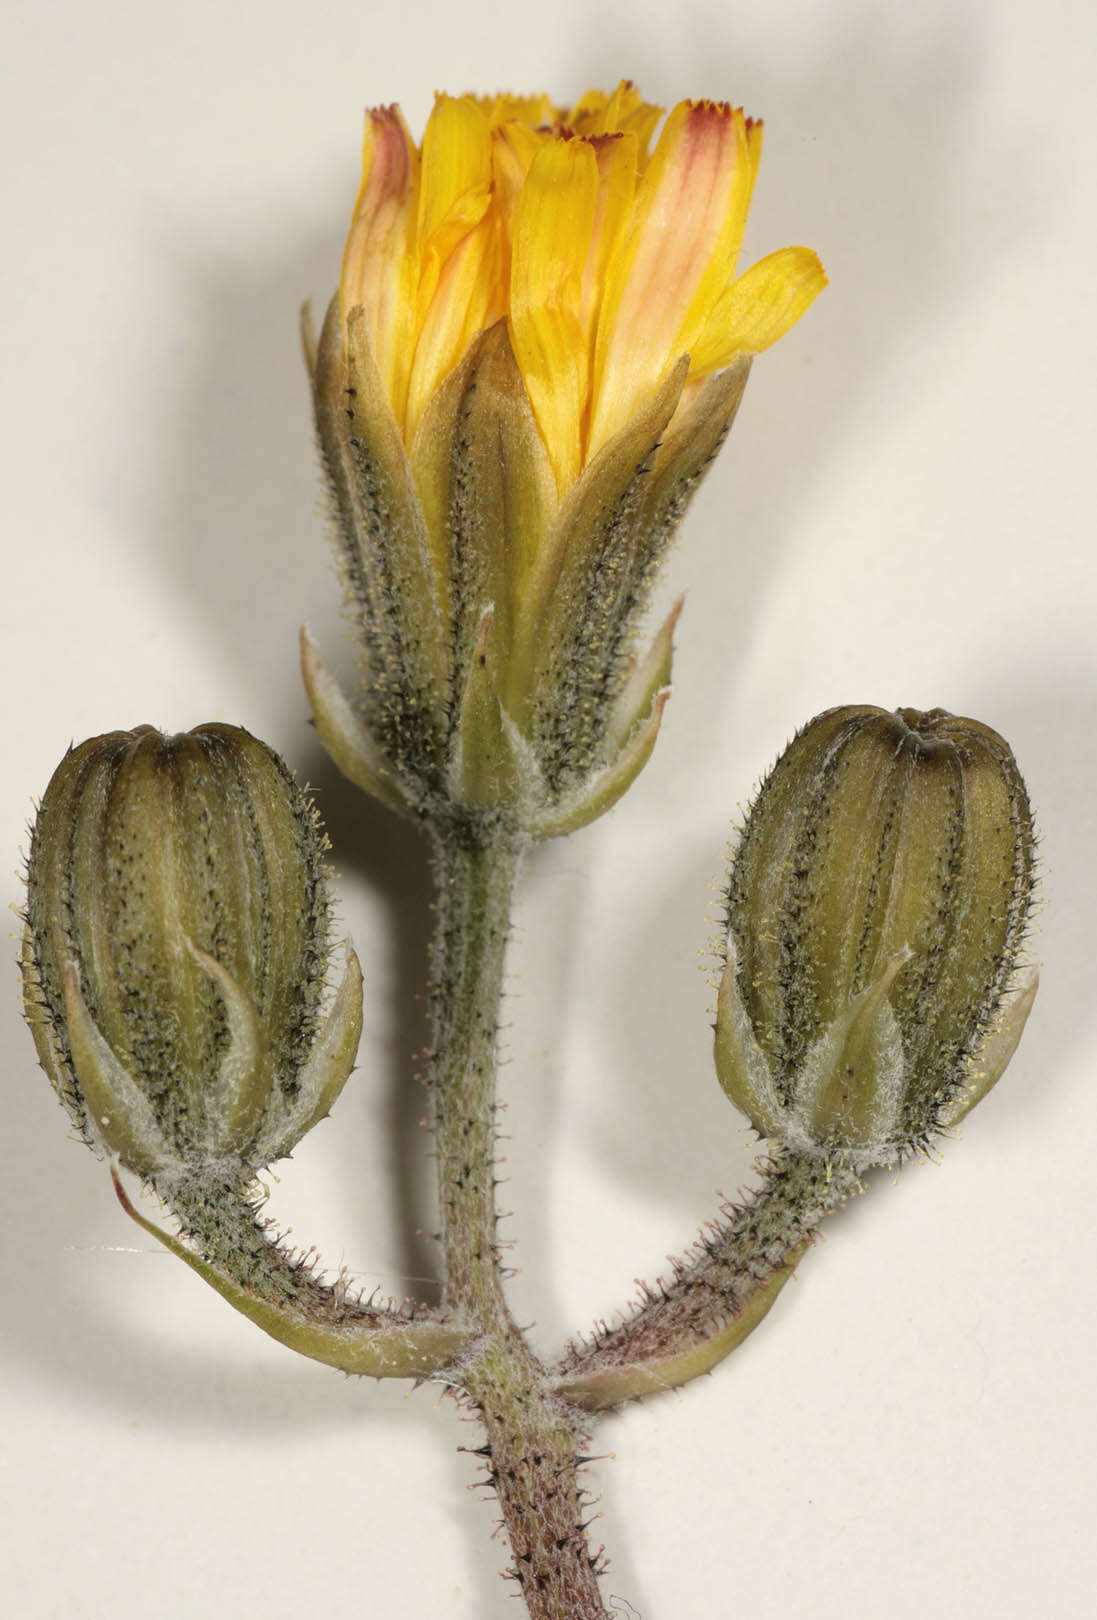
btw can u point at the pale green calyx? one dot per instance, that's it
(176, 952)
(877, 908)
(496, 613)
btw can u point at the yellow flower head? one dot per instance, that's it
(539, 342)
(609, 260)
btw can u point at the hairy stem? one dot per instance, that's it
(532, 1436)
(475, 883)
(232, 1248)
(739, 1266)
(223, 1219)
(531, 1457)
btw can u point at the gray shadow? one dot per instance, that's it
(391, 857)
(1042, 698)
(867, 161)
(538, 993)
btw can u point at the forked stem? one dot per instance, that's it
(533, 1437)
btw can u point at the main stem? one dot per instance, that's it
(475, 886)
(533, 1437)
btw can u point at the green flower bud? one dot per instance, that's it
(877, 908)
(176, 951)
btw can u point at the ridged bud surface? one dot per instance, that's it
(176, 950)
(876, 911)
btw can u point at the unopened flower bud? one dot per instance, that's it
(877, 908)
(176, 951)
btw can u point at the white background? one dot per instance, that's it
(903, 516)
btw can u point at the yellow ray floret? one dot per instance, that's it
(608, 263)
